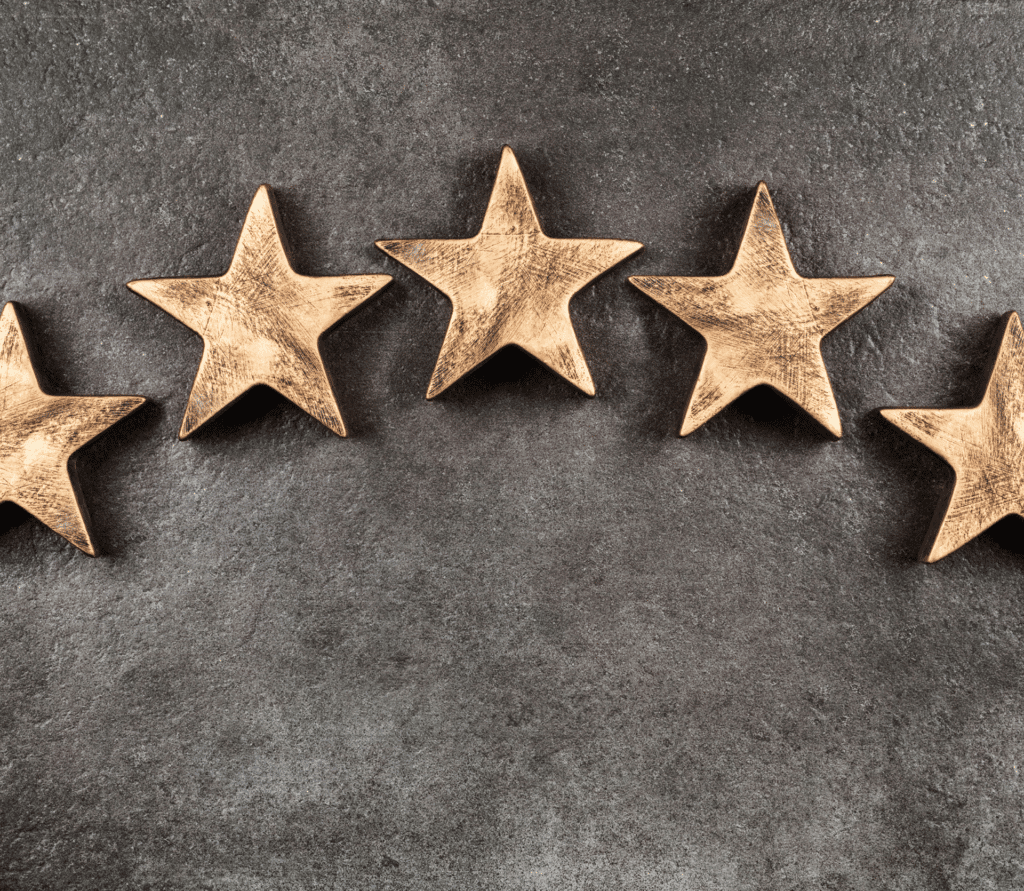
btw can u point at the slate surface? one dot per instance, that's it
(514, 638)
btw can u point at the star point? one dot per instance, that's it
(261, 322)
(40, 434)
(762, 322)
(984, 444)
(510, 284)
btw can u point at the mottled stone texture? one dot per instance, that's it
(513, 638)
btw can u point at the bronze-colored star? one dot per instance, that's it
(261, 322)
(39, 435)
(763, 322)
(984, 445)
(510, 284)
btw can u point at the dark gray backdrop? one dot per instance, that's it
(514, 638)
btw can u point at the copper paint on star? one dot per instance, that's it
(39, 435)
(984, 445)
(763, 322)
(510, 284)
(261, 322)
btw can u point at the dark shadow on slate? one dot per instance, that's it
(103, 490)
(923, 481)
(764, 410)
(362, 347)
(255, 410)
(510, 372)
(1008, 534)
(11, 517)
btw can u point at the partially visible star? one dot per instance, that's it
(984, 445)
(510, 284)
(261, 322)
(763, 322)
(39, 435)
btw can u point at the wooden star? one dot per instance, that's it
(763, 322)
(510, 284)
(39, 435)
(984, 445)
(261, 322)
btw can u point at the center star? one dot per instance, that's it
(510, 284)
(983, 444)
(260, 322)
(763, 322)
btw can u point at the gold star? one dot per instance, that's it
(763, 322)
(983, 444)
(39, 435)
(260, 322)
(510, 284)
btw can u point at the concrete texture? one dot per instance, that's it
(514, 638)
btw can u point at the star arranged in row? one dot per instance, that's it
(510, 284)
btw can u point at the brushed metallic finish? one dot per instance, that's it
(40, 433)
(763, 322)
(261, 322)
(984, 445)
(510, 284)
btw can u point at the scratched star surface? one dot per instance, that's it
(39, 435)
(763, 322)
(261, 323)
(510, 284)
(984, 445)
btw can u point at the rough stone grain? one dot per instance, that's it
(513, 638)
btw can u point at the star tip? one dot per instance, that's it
(688, 426)
(335, 423)
(132, 404)
(138, 286)
(893, 415)
(835, 427)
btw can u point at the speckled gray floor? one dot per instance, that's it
(514, 638)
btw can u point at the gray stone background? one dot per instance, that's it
(514, 638)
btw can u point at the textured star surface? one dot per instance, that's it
(763, 322)
(984, 445)
(261, 322)
(39, 435)
(510, 284)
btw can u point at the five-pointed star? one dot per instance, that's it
(39, 435)
(260, 322)
(983, 444)
(510, 284)
(763, 322)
